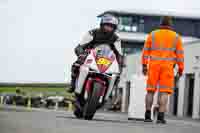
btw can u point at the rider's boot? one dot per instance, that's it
(73, 85)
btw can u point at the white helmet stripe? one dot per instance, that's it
(110, 19)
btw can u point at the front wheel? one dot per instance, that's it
(93, 102)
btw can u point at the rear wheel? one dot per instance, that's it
(92, 102)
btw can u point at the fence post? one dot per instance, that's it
(70, 106)
(29, 103)
(1, 100)
(56, 106)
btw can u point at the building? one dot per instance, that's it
(134, 26)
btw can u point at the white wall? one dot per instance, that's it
(133, 64)
(191, 51)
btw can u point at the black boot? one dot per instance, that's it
(77, 102)
(148, 116)
(73, 85)
(74, 74)
(161, 119)
(78, 112)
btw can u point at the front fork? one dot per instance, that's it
(81, 79)
(111, 85)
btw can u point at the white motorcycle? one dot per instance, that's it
(96, 80)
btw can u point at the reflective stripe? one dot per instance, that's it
(180, 60)
(179, 52)
(159, 86)
(146, 57)
(165, 87)
(164, 49)
(164, 59)
(175, 41)
(151, 86)
(147, 49)
(153, 39)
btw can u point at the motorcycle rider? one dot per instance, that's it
(103, 35)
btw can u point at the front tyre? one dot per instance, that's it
(93, 102)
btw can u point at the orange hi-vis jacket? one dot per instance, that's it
(164, 45)
(162, 50)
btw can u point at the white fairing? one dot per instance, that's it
(90, 64)
(84, 70)
(114, 67)
(93, 64)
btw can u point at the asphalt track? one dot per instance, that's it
(21, 120)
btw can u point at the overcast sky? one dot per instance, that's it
(37, 37)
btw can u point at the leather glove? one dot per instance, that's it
(79, 50)
(144, 69)
(121, 60)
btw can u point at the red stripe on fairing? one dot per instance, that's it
(88, 84)
(103, 89)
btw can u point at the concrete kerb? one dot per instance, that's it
(29, 103)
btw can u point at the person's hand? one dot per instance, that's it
(180, 72)
(144, 69)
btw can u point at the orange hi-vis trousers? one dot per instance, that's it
(161, 77)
